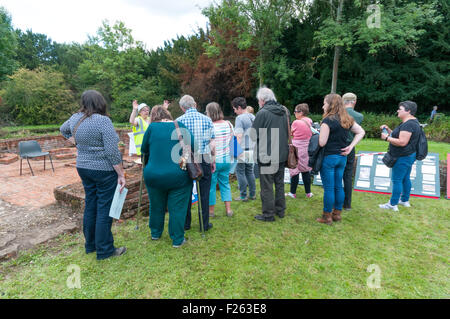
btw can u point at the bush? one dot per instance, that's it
(439, 129)
(37, 97)
(144, 93)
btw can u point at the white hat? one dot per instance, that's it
(141, 106)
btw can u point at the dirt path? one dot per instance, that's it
(23, 227)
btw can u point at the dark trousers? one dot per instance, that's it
(348, 179)
(273, 205)
(99, 188)
(306, 177)
(205, 186)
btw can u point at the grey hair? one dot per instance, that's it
(265, 94)
(187, 102)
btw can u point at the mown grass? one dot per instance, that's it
(39, 130)
(240, 257)
(378, 145)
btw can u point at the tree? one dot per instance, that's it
(34, 50)
(37, 97)
(257, 23)
(401, 26)
(8, 45)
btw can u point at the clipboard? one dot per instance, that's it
(117, 203)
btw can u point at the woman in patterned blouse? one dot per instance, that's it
(99, 165)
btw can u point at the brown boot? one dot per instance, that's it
(336, 215)
(326, 219)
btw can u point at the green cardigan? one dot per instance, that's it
(161, 171)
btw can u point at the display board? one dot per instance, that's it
(375, 177)
(287, 177)
(317, 180)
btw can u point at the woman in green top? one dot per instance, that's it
(167, 184)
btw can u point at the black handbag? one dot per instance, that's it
(187, 161)
(389, 160)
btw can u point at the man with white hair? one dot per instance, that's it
(202, 128)
(349, 100)
(270, 131)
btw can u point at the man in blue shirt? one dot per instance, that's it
(433, 113)
(202, 128)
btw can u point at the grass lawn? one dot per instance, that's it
(240, 257)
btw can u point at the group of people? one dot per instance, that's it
(264, 139)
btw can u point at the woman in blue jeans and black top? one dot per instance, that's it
(333, 137)
(402, 145)
(99, 165)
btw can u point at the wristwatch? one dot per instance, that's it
(387, 138)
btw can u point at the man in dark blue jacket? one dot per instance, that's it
(270, 130)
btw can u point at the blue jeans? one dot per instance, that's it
(246, 177)
(332, 172)
(401, 178)
(221, 175)
(99, 188)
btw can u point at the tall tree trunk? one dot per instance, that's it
(337, 52)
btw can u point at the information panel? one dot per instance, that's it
(373, 176)
(287, 177)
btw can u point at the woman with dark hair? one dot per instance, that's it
(301, 133)
(333, 137)
(168, 185)
(99, 165)
(223, 131)
(402, 146)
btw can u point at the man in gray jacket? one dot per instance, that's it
(270, 131)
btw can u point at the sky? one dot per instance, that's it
(66, 21)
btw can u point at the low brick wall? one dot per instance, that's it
(51, 142)
(73, 195)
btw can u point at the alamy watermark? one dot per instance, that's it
(74, 279)
(374, 19)
(374, 280)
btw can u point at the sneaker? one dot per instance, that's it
(178, 246)
(290, 195)
(119, 251)
(155, 238)
(252, 197)
(241, 199)
(406, 204)
(389, 206)
(309, 195)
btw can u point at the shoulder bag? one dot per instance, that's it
(292, 161)
(187, 161)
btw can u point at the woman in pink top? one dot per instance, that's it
(301, 133)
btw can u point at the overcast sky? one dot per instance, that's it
(151, 21)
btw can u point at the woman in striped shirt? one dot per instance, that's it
(223, 130)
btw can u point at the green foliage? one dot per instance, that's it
(34, 50)
(8, 45)
(37, 97)
(144, 92)
(439, 129)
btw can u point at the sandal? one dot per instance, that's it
(230, 213)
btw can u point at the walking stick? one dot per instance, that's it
(200, 215)
(140, 193)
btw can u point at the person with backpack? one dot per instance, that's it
(403, 145)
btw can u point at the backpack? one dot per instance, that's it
(422, 145)
(315, 153)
